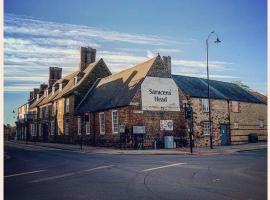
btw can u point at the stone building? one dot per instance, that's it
(235, 112)
(51, 107)
(142, 106)
(136, 100)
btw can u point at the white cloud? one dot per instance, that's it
(33, 45)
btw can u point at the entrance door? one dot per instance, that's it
(224, 134)
(45, 133)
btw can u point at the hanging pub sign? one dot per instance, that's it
(166, 125)
(159, 94)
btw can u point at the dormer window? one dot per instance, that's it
(60, 86)
(37, 96)
(46, 93)
(75, 80)
(53, 89)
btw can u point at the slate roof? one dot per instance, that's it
(115, 90)
(69, 87)
(197, 87)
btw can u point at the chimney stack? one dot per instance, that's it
(167, 62)
(43, 87)
(55, 73)
(88, 55)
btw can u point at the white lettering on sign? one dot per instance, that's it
(159, 94)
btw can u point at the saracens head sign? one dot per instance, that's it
(159, 94)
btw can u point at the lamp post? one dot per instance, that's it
(208, 86)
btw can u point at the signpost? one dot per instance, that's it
(166, 125)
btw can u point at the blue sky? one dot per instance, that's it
(44, 33)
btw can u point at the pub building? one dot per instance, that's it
(141, 107)
(144, 107)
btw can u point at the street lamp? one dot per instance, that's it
(208, 87)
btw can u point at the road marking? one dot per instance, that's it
(101, 167)
(24, 173)
(161, 167)
(69, 174)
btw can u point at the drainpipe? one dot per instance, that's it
(94, 124)
(229, 118)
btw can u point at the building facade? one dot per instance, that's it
(140, 107)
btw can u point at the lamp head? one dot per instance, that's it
(217, 41)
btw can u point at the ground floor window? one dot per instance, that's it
(115, 121)
(206, 128)
(87, 128)
(40, 130)
(102, 123)
(33, 130)
(66, 127)
(52, 128)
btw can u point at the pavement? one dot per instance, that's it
(39, 173)
(217, 150)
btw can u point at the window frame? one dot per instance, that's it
(205, 104)
(102, 130)
(67, 105)
(209, 128)
(234, 103)
(261, 124)
(113, 124)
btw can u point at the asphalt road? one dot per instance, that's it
(37, 173)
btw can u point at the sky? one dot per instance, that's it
(44, 33)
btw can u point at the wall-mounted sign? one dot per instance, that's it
(138, 129)
(166, 125)
(122, 128)
(159, 94)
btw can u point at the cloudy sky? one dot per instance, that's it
(40, 34)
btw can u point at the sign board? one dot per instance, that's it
(159, 94)
(122, 128)
(138, 129)
(166, 125)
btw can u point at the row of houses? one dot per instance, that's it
(138, 106)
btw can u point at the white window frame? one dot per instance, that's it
(87, 126)
(102, 126)
(66, 127)
(235, 103)
(52, 127)
(67, 105)
(79, 131)
(236, 125)
(261, 124)
(205, 105)
(115, 128)
(206, 130)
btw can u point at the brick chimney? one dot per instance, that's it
(55, 73)
(88, 55)
(167, 62)
(33, 94)
(43, 87)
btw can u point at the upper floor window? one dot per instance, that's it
(261, 123)
(102, 123)
(60, 86)
(67, 105)
(205, 105)
(236, 125)
(235, 106)
(115, 121)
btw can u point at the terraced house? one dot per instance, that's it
(141, 107)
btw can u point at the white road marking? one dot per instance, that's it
(101, 167)
(69, 174)
(24, 173)
(161, 167)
